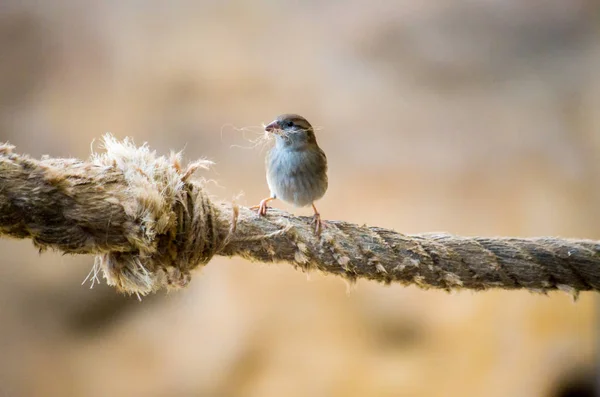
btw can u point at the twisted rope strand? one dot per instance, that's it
(439, 261)
(150, 226)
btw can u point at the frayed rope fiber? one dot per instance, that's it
(149, 225)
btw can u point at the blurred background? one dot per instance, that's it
(469, 117)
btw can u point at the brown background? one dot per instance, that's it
(475, 118)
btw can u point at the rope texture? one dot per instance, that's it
(149, 225)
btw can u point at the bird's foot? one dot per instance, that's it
(262, 207)
(317, 220)
(318, 225)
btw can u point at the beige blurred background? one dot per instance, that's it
(470, 117)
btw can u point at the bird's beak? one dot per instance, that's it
(272, 126)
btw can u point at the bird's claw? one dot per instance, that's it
(262, 207)
(316, 221)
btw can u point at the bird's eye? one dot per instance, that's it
(288, 123)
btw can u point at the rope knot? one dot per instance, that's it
(177, 225)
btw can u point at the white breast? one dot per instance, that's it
(298, 177)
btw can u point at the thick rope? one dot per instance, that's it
(149, 225)
(433, 260)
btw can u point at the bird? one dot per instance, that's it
(296, 167)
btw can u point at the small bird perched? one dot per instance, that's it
(296, 165)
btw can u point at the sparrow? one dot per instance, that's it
(296, 166)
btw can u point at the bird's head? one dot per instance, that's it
(292, 130)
